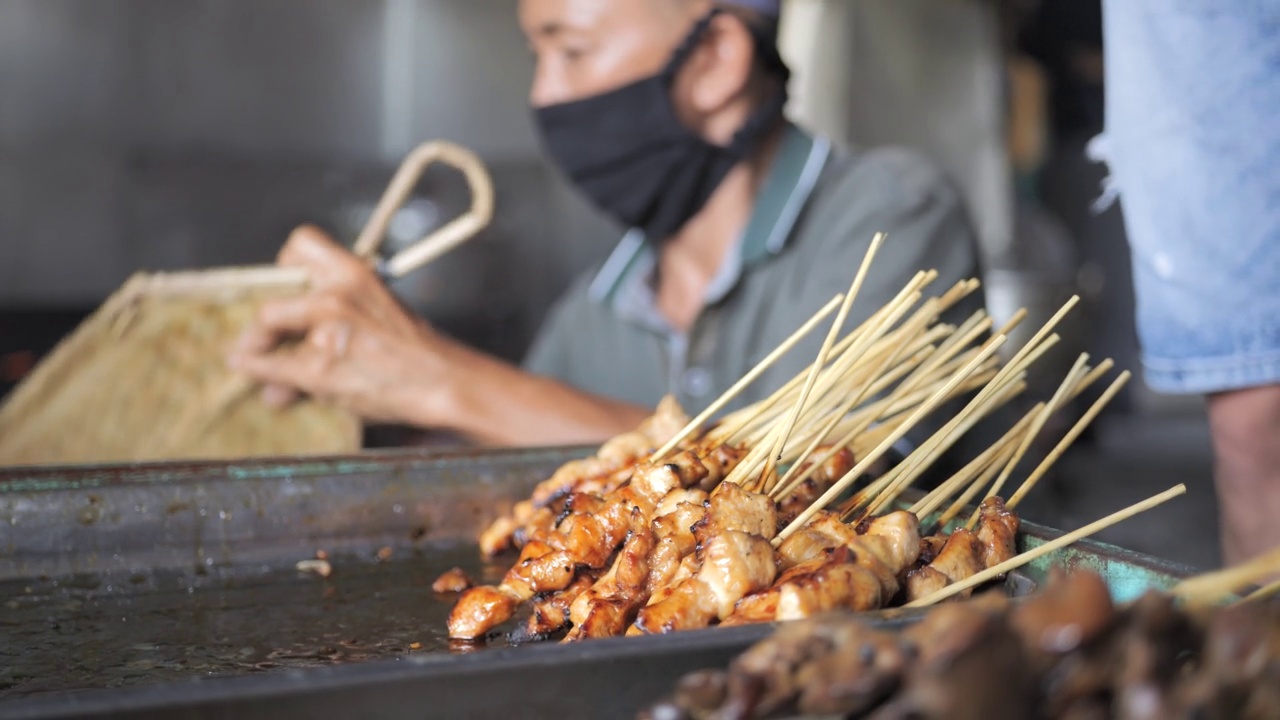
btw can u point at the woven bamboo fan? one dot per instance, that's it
(145, 377)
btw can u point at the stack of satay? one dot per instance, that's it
(1066, 652)
(791, 506)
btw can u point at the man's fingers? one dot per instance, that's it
(297, 315)
(279, 396)
(328, 262)
(290, 369)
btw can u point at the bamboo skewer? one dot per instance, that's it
(1263, 592)
(1060, 396)
(755, 372)
(894, 405)
(929, 451)
(978, 464)
(1069, 438)
(1021, 358)
(974, 488)
(942, 440)
(911, 329)
(958, 506)
(1212, 588)
(1068, 539)
(849, 372)
(821, 362)
(861, 467)
(732, 426)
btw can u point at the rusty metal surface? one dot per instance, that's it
(114, 577)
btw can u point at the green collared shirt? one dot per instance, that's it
(813, 220)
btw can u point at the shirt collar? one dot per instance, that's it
(800, 160)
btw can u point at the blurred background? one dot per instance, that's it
(174, 134)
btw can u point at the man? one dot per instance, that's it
(1193, 91)
(667, 114)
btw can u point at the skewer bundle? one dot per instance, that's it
(1066, 652)
(773, 512)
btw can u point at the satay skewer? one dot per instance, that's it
(941, 441)
(856, 397)
(1263, 592)
(965, 476)
(1071, 435)
(766, 411)
(1072, 537)
(1212, 588)
(821, 361)
(737, 388)
(927, 372)
(963, 501)
(984, 477)
(929, 406)
(1077, 372)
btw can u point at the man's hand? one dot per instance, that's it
(348, 340)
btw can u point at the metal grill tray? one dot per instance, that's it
(169, 590)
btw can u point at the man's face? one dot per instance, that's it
(586, 47)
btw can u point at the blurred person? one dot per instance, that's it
(668, 115)
(1193, 142)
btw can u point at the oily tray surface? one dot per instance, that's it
(91, 631)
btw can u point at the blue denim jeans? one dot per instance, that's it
(1193, 142)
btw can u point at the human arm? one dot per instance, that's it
(360, 348)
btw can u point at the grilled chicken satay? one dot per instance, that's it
(541, 568)
(608, 469)
(998, 531)
(799, 500)
(734, 559)
(551, 614)
(838, 583)
(960, 557)
(829, 565)
(734, 564)
(609, 606)
(966, 553)
(582, 539)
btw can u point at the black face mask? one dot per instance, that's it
(629, 153)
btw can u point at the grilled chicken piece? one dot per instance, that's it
(864, 667)
(961, 557)
(451, 581)
(811, 489)
(675, 539)
(551, 614)
(1072, 610)
(682, 470)
(614, 455)
(719, 460)
(734, 564)
(901, 530)
(499, 536)
(541, 568)
(480, 610)
(837, 584)
(772, 674)
(805, 545)
(612, 602)
(567, 477)
(998, 530)
(763, 606)
(732, 508)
